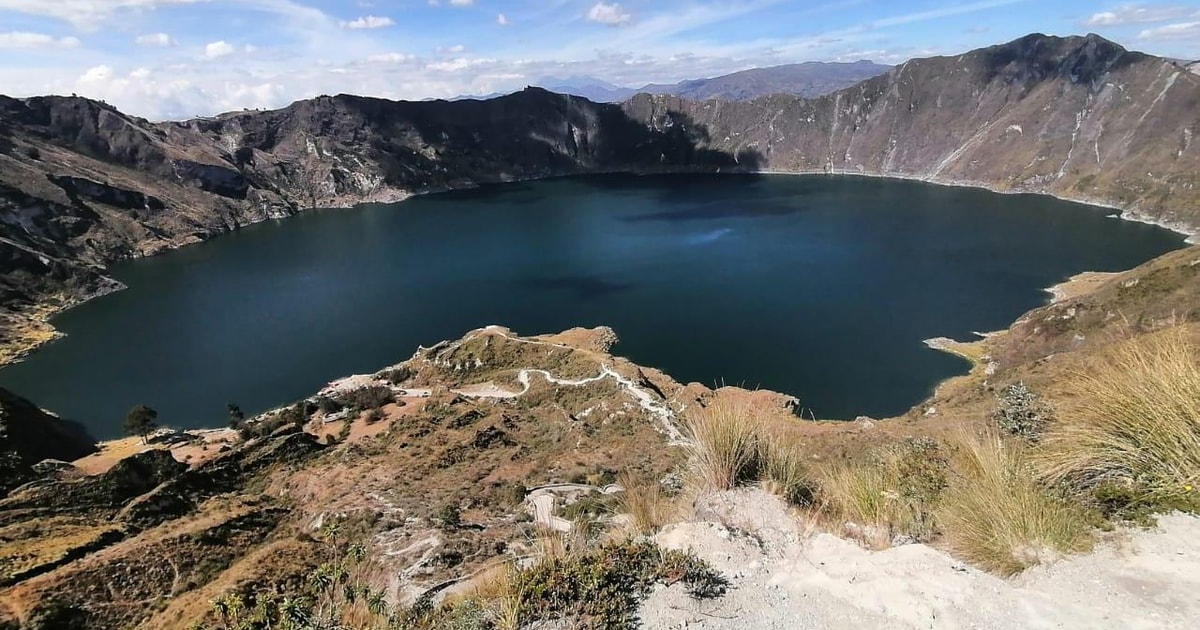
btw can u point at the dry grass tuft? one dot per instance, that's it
(996, 515)
(724, 440)
(644, 501)
(732, 446)
(785, 470)
(1134, 423)
(890, 496)
(499, 592)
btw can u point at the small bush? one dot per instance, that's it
(372, 397)
(724, 442)
(1022, 412)
(601, 587)
(588, 507)
(373, 416)
(996, 516)
(516, 493)
(892, 495)
(397, 376)
(449, 517)
(1134, 425)
(328, 406)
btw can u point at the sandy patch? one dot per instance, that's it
(783, 579)
(1079, 285)
(200, 445)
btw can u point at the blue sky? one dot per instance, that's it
(181, 58)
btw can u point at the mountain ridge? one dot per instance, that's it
(82, 185)
(809, 79)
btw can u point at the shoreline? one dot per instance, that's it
(1190, 232)
(35, 320)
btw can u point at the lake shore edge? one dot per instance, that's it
(26, 330)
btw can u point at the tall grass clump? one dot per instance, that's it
(785, 471)
(1133, 427)
(645, 502)
(724, 441)
(890, 496)
(997, 516)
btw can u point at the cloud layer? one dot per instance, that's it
(183, 58)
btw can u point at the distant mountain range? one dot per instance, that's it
(808, 80)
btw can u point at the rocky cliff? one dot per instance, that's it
(82, 184)
(1080, 118)
(29, 435)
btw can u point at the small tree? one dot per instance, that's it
(236, 416)
(449, 517)
(141, 421)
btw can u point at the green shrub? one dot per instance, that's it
(449, 517)
(372, 397)
(1022, 413)
(893, 494)
(601, 587)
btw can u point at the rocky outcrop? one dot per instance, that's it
(82, 185)
(29, 435)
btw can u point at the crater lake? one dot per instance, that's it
(821, 287)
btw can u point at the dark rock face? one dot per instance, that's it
(83, 190)
(82, 185)
(29, 435)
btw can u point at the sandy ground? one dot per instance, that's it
(1079, 284)
(783, 578)
(204, 445)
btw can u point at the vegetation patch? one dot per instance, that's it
(596, 588)
(1132, 439)
(730, 446)
(892, 495)
(1021, 412)
(997, 516)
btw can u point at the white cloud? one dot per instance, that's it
(391, 58)
(98, 74)
(460, 64)
(462, 3)
(218, 49)
(155, 39)
(85, 13)
(1137, 14)
(368, 22)
(611, 14)
(18, 39)
(502, 20)
(1183, 30)
(140, 73)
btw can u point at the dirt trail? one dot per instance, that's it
(782, 579)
